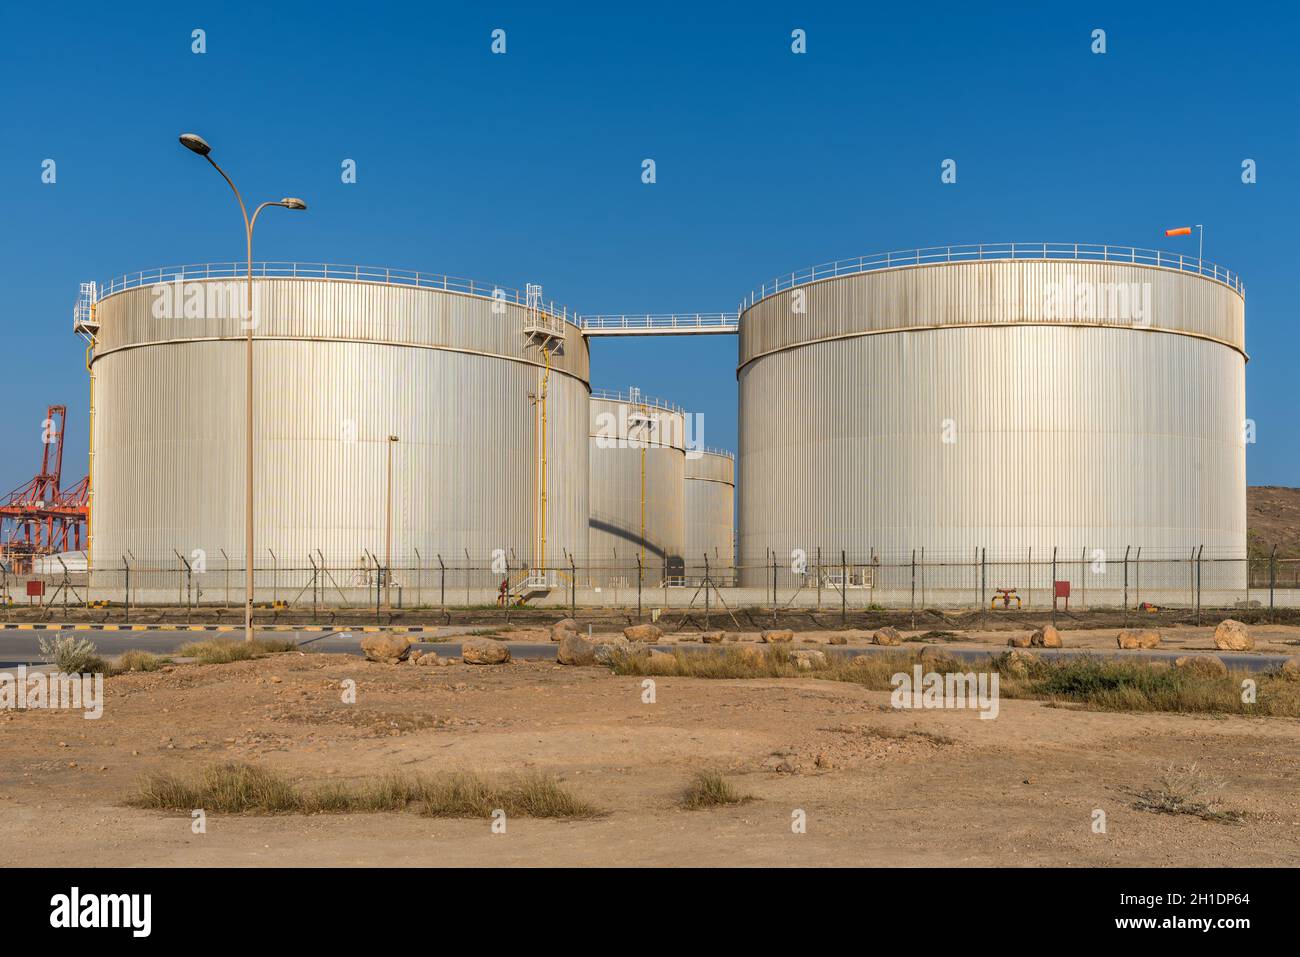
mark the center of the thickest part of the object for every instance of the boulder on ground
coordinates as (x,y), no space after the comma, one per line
(386,647)
(775,635)
(1045,637)
(1232,635)
(484,651)
(808,660)
(1019,641)
(837,638)
(1291,669)
(711,637)
(565,626)
(575,650)
(430,658)
(643,633)
(1131,639)
(1208,665)
(887,636)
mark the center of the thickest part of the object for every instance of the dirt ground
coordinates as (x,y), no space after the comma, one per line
(878,786)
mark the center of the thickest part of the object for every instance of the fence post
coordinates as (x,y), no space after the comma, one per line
(419,580)
(638,588)
(706,591)
(844,588)
(1126,551)
(275,578)
(126,594)
(1083,577)
(1272,581)
(984,578)
(1199,551)
(819,577)
(314,575)
(1137,575)
(442,584)
(573,588)
(774,588)
(914,588)
(1053,585)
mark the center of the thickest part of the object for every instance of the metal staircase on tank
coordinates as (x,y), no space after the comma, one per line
(544,331)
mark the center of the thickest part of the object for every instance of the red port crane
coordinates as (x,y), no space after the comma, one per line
(40,518)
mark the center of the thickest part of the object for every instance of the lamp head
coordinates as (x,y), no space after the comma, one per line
(196,143)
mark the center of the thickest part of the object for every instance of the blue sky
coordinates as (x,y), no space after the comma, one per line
(527,167)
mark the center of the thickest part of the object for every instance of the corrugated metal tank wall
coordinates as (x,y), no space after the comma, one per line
(949,408)
(615,486)
(339,366)
(710,512)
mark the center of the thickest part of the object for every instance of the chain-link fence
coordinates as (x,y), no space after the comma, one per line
(819,577)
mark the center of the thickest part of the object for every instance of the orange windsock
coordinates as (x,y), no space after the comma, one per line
(1179,231)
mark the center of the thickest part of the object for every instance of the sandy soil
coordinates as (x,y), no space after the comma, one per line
(878,786)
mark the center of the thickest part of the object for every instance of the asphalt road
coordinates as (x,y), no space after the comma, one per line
(22,648)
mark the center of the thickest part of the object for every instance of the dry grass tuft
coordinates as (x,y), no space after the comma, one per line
(247,789)
(711,789)
(1188,790)
(1091,681)
(222,651)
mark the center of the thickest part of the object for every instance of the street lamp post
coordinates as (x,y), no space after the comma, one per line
(197,144)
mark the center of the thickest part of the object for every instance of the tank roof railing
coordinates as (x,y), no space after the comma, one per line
(993,252)
(640,398)
(710,450)
(194,272)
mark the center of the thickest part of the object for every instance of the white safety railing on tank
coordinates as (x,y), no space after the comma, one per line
(638,398)
(1083,252)
(193,272)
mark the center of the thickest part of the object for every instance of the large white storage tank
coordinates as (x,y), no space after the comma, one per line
(710,513)
(344,358)
(637,487)
(938,400)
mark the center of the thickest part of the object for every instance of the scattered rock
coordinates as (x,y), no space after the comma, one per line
(484,651)
(575,650)
(776,635)
(1291,669)
(650,633)
(386,648)
(1045,637)
(1019,641)
(430,658)
(836,638)
(887,636)
(1209,665)
(1232,635)
(711,637)
(1138,639)
(808,660)
(564,626)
